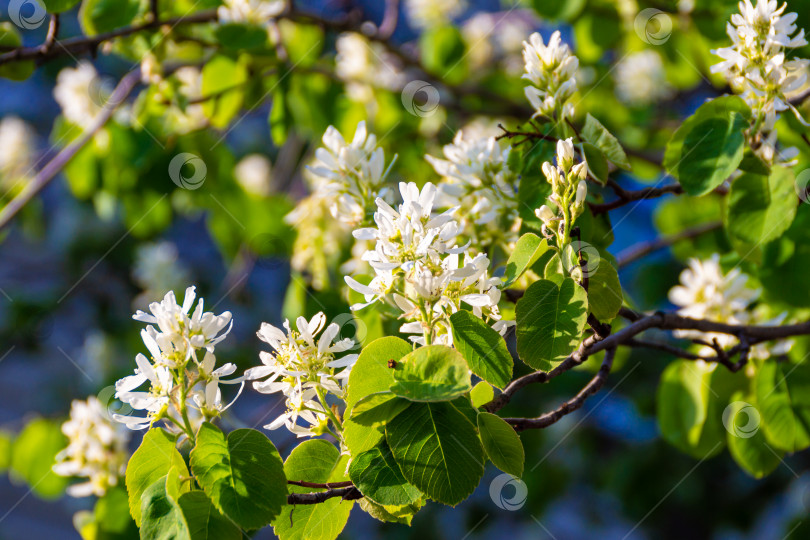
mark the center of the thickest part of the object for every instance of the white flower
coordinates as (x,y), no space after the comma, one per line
(430,13)
(198,330)
(350,175)
(756,67)
(74,91)
(363,65)
(254,174)
(16,150)
(97,449)
(178,381)
(551,69)
(706,292)
(300,367)
(250,11)
(478,180)
(641,80)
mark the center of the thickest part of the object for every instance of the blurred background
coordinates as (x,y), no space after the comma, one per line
(113,232)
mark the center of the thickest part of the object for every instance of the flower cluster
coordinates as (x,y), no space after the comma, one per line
(363,65)
(182,386)
(476,177)
(551,69)
(568,192)
(756,67)
(16,150)
(96,450)
(250,11)
(75,91)
(641,80)
(418,269)
(351,174)
(305,371)
(706,292)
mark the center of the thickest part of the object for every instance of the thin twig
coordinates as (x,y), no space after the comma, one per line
(390,19)
(54,166)
(593,386)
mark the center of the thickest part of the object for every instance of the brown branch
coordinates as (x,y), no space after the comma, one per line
(390,19)
(53,31)
(54,166)
(626,197)
(84,44)
(346,493)
(593,386)
(638,251)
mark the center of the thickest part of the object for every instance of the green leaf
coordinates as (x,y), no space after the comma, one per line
(10,39)
(204,521)
(6,445)
(221,76)
(317,461)
(99,16)
(598,135)
(111,513)
(431,373)
(58,6)
(33,453)
(153,459)
(242,475)
(303,42)
(550,322)
(377,476)
(162,517)
(604,292)
(442,51)
(684,411)
(481,394)
(483,348)
(709,145)
(501,444)
(746,442)
(783,398)
(391,514)
(528,249)
(760,208)
(376,409)
(596,162)
(437,450)
(753,164)
(370,374)
(238,36)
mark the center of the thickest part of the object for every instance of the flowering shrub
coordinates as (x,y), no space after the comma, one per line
(474,268)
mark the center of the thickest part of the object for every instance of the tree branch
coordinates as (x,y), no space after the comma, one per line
(326,485)
(639,251)
(626,197)
(54,166)
(346,493)
(593,386)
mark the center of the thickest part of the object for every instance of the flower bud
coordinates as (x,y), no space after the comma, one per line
(580,170)
(552,174)
(545,214)
(582,191)
(565,153)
